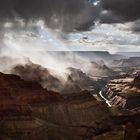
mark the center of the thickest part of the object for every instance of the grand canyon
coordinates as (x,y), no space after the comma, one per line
(100,103)
(69,70)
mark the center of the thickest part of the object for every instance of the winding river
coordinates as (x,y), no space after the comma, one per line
(106,100)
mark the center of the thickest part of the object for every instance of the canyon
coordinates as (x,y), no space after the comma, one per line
(84,108)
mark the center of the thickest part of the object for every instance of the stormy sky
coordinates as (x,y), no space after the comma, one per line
(70,14)
(71,25)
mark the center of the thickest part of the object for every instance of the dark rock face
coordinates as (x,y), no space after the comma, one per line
(29,112)
(136,82)
(17,117)
(130,132)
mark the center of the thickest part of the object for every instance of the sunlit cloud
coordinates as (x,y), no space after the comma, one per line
(109,37)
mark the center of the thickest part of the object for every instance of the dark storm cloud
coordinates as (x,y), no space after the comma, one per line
(108,16)
(70,14)
(126,10)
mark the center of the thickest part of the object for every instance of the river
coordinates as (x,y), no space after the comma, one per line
(106,100)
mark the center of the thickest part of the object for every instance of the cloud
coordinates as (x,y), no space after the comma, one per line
(108,16)
(126,10)
(65,14)
(70,15)
(108,37)
(21,37)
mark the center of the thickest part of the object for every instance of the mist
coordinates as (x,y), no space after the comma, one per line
(29,51)
(31,32)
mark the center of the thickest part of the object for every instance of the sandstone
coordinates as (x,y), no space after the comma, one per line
(123,92)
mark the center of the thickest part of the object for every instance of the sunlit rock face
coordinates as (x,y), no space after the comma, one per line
(123,92)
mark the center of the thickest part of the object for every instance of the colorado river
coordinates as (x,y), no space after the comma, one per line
(100,93)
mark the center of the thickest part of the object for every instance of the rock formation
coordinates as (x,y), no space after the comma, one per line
(28,111)
(78,81)
(34,72)
(130,132)
(129,62)
(101,70)
(136,82)
(123,92)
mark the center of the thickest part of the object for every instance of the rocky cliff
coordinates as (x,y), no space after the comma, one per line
(123,92)
(26,109)
(29,112)
(78,81)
